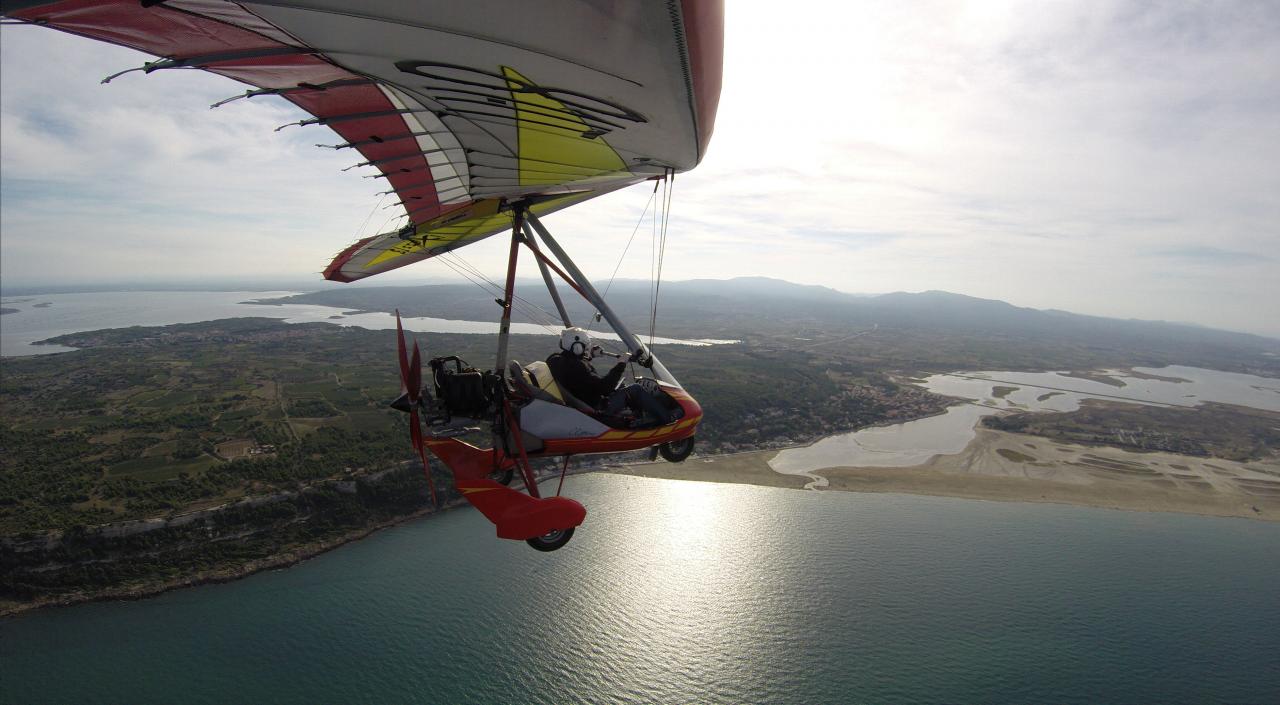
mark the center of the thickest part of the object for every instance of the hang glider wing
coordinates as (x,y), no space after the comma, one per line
(461,106)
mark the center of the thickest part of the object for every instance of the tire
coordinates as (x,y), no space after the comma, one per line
(676,451)
(551,540)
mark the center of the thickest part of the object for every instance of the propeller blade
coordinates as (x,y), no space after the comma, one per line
(415,434)
(414,379)
(404,358)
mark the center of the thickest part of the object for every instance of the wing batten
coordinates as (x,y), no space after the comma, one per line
(457,106)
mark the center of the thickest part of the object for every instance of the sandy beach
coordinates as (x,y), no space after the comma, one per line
(1010,467)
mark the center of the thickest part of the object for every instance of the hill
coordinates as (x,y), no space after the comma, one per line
(782,314)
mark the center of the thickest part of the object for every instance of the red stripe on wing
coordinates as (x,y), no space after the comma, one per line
(178,34)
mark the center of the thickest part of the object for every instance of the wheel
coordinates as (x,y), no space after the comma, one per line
(503,477)
(551,540)
(676,451)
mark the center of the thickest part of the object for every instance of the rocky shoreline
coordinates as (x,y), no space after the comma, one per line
(228,573)
(1120,480)
(224,574)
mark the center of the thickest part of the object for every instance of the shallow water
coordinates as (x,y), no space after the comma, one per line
(1199,386)
(711,593)
(912,443)
(899,445)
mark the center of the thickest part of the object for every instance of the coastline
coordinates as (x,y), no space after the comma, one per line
(1008,467)
(10,609)
(988,469)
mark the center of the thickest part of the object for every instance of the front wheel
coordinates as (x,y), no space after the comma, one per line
(551,540)
(676,451)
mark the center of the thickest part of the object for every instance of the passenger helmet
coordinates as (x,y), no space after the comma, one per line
(575,340)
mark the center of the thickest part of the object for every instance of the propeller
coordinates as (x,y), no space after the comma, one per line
(411,380)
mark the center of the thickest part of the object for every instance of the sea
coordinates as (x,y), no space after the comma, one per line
(692,592)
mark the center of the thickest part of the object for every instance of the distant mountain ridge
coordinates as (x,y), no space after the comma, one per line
(730,299)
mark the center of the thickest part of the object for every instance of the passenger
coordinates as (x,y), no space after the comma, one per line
(572,370)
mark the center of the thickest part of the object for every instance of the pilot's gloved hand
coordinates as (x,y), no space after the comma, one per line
(642,357)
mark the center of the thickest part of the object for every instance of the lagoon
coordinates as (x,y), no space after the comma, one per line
(43,316)
(914,442)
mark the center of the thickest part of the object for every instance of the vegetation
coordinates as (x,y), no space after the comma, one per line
(242,439)
(1015,456)
(146,423)
(132,425)
(83,558)
(129,428)
(1218,430)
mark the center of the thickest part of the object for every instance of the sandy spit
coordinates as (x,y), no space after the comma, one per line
(1011,467)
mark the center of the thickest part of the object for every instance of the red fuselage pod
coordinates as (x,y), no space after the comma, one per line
(590,436)
(515,514)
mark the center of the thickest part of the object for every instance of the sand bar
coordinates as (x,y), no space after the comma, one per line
(1011,467)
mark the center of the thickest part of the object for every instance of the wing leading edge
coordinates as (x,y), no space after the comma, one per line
(461,107)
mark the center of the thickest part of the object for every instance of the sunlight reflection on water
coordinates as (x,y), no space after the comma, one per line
(679,592)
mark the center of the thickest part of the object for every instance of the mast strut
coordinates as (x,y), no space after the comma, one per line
(508,296)
(589,292)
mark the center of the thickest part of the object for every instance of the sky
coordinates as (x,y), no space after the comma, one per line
(1109,158)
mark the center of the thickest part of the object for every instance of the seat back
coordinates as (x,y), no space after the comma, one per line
(526,384)
(540,372)
(541,376)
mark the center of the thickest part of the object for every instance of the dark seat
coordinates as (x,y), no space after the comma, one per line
(537,382)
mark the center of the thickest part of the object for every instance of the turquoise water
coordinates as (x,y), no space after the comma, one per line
(697,592)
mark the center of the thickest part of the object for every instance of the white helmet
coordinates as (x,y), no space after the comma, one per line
(575,340)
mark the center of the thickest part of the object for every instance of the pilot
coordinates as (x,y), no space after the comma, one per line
(572,370)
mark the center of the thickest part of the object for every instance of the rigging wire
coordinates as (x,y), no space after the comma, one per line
(536,314)
(530,309)
(489,289)
(668,194)
(653,250)
(383,228)
(634,230)
(369,217)
(596,318)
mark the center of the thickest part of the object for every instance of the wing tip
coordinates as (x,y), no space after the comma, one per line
(334,271)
